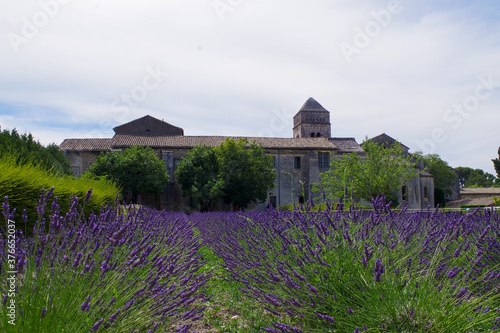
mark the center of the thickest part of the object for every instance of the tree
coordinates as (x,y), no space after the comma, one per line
(26,150)
(444,176)
(246,171)
(136,169)
(496,163)
(198,175)
(236,171)
(469,177)
(383,171)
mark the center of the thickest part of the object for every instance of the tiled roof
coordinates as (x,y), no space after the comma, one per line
(121,140)
(471,202)
(480,190)
(347,145)
(86,144)
(312,105)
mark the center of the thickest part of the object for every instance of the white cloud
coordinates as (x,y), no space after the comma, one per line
(226,77)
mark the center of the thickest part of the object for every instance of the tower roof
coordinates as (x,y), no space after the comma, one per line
(312,105)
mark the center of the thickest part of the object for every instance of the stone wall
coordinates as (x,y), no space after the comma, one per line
(80,161)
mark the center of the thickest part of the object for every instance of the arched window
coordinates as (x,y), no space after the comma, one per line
(404,193)
(318,134)
(312,135)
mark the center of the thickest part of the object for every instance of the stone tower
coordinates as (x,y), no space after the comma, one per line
(312,121)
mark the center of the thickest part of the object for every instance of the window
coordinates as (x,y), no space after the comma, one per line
(296,162)
(318,135)
(426,194)
(404,193)
(312,135)
(301,199)
(323,160)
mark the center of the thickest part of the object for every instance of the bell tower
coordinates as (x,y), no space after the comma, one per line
(312,121)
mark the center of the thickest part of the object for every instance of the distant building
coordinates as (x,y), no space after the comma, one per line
(476,196)
(298,160)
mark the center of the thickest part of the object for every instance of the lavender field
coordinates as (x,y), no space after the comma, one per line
(136,269)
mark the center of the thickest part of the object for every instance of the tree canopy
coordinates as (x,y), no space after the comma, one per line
(469,177)
(238,172)
(136,169)
(444,176)
(384,170)
(25,149)
(198,175)
(496,163)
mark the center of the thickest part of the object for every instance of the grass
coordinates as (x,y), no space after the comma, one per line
(230,309)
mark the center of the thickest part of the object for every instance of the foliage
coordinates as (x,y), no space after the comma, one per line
(109,272)
(237,171)
(469,177)
(246,171)
(28,151)
(439,197)
(354,271)
(198,175)
(444,176)
(383,171)
(136,169)
(496,163)
(23,184)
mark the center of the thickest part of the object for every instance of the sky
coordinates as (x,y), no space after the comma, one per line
(427,73)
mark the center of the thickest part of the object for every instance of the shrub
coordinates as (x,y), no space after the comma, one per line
(364,271)
(109,272)
(26,150)
(24,183)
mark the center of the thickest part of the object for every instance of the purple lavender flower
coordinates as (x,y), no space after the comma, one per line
(97,325)
(379,270)
(86,304)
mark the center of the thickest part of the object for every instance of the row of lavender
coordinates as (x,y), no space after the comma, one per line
(355,271)
(133,270)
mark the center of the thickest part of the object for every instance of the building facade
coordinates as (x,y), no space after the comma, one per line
(298,160)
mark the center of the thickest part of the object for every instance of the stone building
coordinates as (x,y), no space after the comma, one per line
(298,160)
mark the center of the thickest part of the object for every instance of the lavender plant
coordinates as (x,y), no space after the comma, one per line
(129,269)
(355,271)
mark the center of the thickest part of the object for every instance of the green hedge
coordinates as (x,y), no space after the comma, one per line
(23,185)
